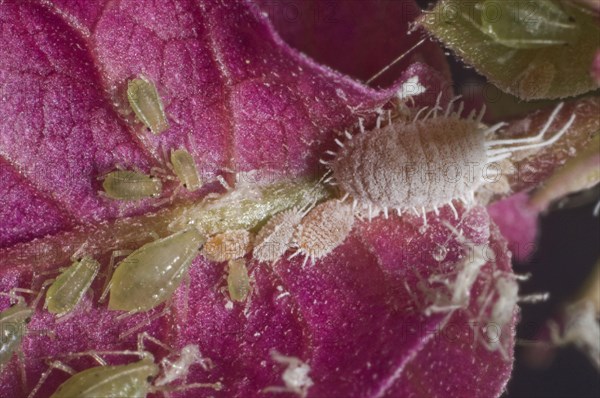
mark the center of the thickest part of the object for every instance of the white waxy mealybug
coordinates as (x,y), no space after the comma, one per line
(275,237)
(147,105)
(136,379)
(323,229)
(295,376)
(238,281)
(131,185)
(425,163)
(185,169)
(228,245)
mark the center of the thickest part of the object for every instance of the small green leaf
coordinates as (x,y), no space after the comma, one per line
(534,49)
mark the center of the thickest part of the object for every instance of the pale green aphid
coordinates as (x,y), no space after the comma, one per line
(150,275)
(131,185)
(145,102)
(13,324)
(136,379)
(527,23)
(185,169)
(129,380)
(70,286)
(238,281)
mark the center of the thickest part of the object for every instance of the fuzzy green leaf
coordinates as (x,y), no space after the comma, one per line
(532,49)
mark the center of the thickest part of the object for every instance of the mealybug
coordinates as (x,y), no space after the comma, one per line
(323,229)
(147,105)
(426,163)
(227,246)
(275,237)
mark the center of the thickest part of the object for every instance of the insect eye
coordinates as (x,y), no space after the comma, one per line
(28,319)
(149,379)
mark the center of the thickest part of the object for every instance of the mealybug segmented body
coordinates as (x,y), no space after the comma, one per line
(147,105)
(323,229)
(131,185)
(227,246)
(425,163)
(275,237)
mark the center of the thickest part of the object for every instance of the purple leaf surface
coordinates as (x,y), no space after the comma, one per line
(238,99)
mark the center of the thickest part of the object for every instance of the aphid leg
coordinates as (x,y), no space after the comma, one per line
(166,389)
(111,268)
(52,365)
(149,320)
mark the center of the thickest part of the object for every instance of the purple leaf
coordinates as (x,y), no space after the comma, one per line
(238,98)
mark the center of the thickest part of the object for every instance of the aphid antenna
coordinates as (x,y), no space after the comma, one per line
(398,59)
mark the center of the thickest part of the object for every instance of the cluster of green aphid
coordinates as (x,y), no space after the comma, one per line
(150,275)
(132,185)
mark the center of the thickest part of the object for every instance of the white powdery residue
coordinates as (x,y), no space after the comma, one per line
(410,88)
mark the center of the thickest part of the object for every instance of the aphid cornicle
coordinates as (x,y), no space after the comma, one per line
(131,185)
(424,164)
(323,229)
(70,286)
(185,169)
(147,105)
(150,275)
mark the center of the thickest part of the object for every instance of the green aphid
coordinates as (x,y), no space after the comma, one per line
(147,105)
